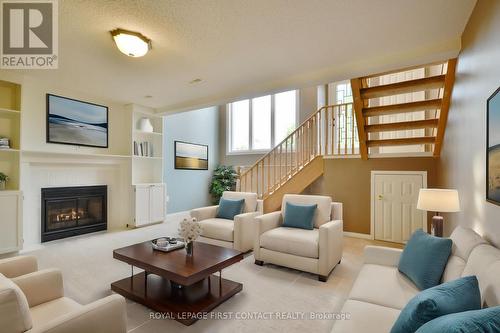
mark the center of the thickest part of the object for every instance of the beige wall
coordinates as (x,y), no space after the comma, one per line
(349,181)
(463,158)
(34,117)
(306,106)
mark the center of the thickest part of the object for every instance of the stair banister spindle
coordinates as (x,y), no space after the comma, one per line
(345,129)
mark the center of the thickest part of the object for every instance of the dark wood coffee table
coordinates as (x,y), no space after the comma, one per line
(180,287)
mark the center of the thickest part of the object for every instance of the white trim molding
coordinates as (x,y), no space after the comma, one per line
(357,235)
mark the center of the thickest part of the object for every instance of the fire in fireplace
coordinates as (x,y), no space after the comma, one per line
(71,211)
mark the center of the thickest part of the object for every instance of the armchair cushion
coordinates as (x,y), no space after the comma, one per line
(249,197)
(14,308)
(299,216)
(228,208)
(323,212)
(221,229)
(299,242)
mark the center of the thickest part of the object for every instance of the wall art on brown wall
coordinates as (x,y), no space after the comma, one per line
(493,148)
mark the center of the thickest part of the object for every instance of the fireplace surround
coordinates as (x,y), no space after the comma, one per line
(72,211)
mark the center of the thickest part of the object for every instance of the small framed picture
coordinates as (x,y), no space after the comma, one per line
(493,148)
(190,156)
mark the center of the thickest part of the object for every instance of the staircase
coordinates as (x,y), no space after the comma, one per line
(297,161)
(428,96)
(403,111)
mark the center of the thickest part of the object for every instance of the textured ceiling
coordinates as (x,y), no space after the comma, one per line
(245,47)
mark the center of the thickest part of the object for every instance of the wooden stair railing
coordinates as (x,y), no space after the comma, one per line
(368,117)
(329,131)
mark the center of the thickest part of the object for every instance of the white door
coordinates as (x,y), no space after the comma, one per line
(142,205)
(157,203)
(394,205)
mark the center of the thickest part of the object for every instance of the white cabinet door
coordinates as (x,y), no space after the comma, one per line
(10,222)
(142,205)
(157,203)
(394,204)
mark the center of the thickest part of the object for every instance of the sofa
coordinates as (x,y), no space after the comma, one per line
(380,292)
(236,234)
(34,301)
(316,251)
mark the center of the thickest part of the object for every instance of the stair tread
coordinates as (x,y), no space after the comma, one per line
(402,141)
(430,104)
(426,83)
(402,125)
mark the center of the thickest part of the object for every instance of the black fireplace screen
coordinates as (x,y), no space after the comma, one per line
(71,211)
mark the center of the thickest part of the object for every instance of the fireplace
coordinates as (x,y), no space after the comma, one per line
(72,211)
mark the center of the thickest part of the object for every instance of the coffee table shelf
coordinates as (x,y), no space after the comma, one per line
(180,287)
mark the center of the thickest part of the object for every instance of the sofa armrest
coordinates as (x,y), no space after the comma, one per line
(244,231)
(107,315)
(260,206)
(330,246)
(381,255)
(17,266)
(204,213)
(337,211)
(42,286)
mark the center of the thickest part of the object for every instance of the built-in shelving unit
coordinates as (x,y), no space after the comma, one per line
(147,167)
(11,197)
(10,127)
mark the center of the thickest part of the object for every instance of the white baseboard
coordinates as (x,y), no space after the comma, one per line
(357,235)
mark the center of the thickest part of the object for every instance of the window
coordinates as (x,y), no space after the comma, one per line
(261,123)
(258,124)
(285,104)
(240,125)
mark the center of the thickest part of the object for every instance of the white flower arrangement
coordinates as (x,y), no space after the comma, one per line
(189,230)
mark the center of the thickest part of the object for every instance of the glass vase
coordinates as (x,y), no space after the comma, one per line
(189,248)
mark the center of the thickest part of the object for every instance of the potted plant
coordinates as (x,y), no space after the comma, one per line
(223,179)
(3,180)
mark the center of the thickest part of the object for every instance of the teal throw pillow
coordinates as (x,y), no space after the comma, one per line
(299,216)
(228,209)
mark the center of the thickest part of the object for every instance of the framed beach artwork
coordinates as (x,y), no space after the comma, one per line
(74,122)
(190,156)
(493,148)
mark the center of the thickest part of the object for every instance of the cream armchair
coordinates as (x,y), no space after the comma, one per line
(33,301)
(315,251)
(238,233)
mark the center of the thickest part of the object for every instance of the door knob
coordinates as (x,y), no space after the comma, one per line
(380,197)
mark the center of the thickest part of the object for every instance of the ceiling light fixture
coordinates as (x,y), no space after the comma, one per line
(133,44)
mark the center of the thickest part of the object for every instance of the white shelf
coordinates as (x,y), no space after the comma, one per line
(45,153)
(147,133)
(9,111)
(148,157)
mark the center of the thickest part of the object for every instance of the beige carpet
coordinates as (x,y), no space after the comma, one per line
(89,268)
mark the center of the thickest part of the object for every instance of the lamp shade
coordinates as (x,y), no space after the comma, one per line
(438,200)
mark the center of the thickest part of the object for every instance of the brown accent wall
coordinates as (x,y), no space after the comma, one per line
(349,181)
(463,156)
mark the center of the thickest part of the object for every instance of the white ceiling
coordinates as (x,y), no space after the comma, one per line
(245,47)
